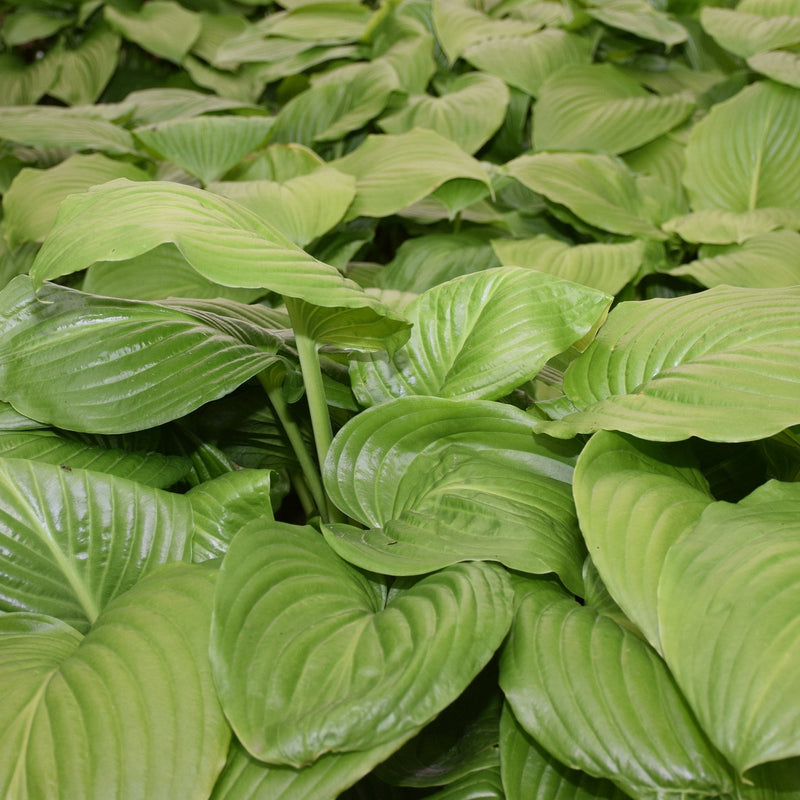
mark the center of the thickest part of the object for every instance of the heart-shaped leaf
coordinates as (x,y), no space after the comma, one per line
(441,481)
(129,710)
(744,155)
(157,363)
(601,700)
(72,540)
(599,108)
(392,172)
(635,499)
(205,146)
(480,336)
(469,113)
(729,605)
(723,365)
(310,658)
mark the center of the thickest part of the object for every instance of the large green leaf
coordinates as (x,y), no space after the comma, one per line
(723,365)
(222,240)
(531,773)
(205,146)
(129,710)
(85,70)
(480,336)
(224,505)
(339,103)
(423,262)
(599,189)
(310,657)
(640,18)
(779,65)
(156,363)
(69,452)
(601,700)
(31,203)
(72,540)
(729,610)
(718,226)
(162,27)
(441,481)
(301,207)
(606,267)
(458,24)
(746,34)
(468,113)
(23,83)
(635,499)
(392,172)
(599,108)
(744,155)
(765,261)
(50,126)
(527,61)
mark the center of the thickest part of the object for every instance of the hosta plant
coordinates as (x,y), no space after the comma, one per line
(399,400)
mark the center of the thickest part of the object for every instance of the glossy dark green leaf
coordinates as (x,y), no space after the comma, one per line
(310,659)
(129,710)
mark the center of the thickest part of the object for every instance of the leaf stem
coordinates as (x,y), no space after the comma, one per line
(315,395)
(295,437)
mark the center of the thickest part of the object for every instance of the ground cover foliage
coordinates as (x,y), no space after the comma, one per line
(400,401)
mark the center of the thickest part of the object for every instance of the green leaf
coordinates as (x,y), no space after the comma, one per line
(85,70)
(599,108)
(222,240)
(31,202)
(323,21)
(127,709)
(24,84)
(531,773)
(525,62)
(720,364)
(302,207)
(224,505)
(392,172)
(336,104)
(716,226)
(457,25)
(205,146)
(72,540)
(441,481)
(156,275)
(780,65)
(50,126)
(247,778)
(599,189)
(729,599)
(480,336)
(601,700)
(71,452)
(162,27)
(23,25)
(640,18)
(742,156)
(423,262)
(601,266)
(635,499)
(747,34)
(156,363)
(309,658)
(766,261)
(151,106)
(468,113)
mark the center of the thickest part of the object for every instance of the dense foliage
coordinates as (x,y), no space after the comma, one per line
(400,401)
